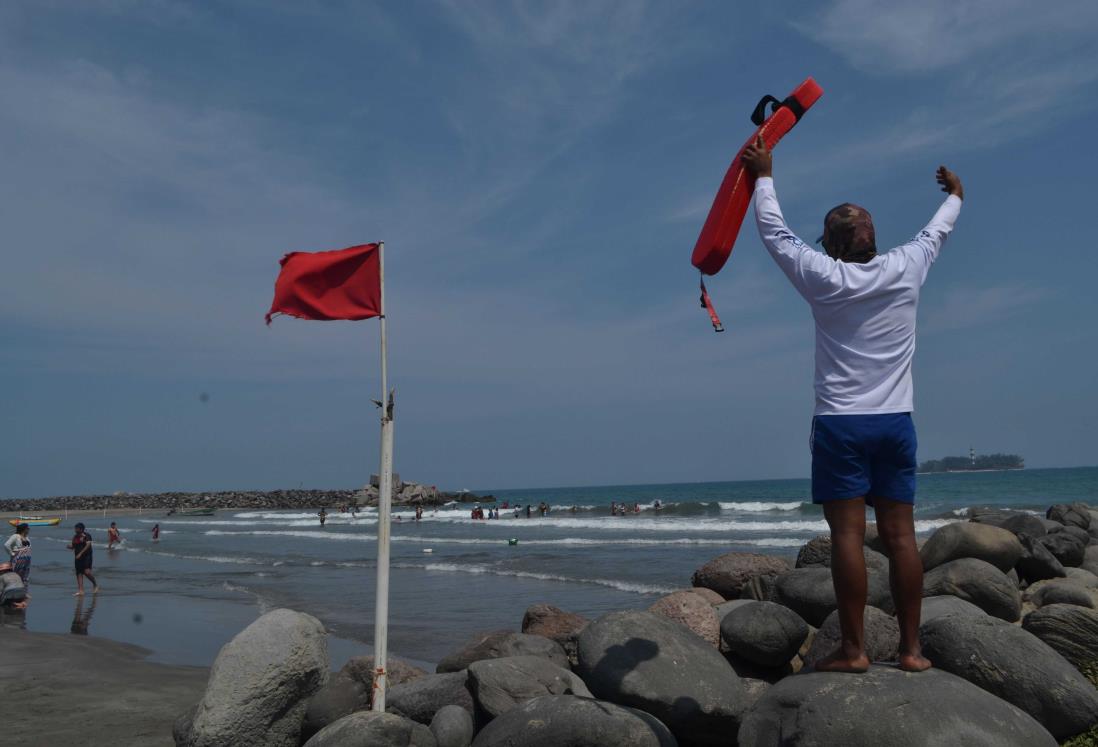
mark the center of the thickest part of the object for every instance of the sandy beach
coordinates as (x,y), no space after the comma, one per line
(87,690)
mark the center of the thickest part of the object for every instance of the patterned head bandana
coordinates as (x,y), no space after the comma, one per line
(848,234)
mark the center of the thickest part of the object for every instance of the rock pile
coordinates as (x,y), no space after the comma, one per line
(404,493)
(1010,621)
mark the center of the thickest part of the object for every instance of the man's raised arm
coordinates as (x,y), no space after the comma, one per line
(801,264)
(925,246)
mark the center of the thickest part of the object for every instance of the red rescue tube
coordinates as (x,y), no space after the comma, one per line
(718,235)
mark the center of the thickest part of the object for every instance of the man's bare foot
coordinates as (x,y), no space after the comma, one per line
(840,662)
(78,594)
(95,590)
(914,663)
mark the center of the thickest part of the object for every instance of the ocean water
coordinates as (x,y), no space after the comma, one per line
(207,577)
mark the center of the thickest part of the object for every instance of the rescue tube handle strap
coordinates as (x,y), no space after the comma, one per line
(708,306)
(759,115)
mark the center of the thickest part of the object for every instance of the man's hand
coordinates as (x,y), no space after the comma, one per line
(757,158)
(950,182)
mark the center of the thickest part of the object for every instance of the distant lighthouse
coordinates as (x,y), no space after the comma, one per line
(972,456)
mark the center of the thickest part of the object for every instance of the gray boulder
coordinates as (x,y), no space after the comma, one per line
(261,681)
(350,690)
(711,597)
(886,707)
(361,670)
(556,625)
(1083,535)
(882,637)
(1069,629)
(692,611)
(727,574)
(373,729)
(181,727)
(1016,666)
(748,670)
(498,685)
(817,551)
(722,610)
(1013,521)
(499,644)
(1067,548)
(759,588)
(966,539)
(1050,525)
(421,698)
(1082,577)
(875,562)
(571,721)
(755,690)
(976,581)
(873,538)
(764,633)
(1074,514)
(1061,591)
(1090,559)
(1029,524)
(934,607)
(642,660)
(810,593)
(340,697)
(1036,562)
(991,515)
(452,727)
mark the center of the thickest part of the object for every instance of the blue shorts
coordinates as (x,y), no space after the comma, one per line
(863,455)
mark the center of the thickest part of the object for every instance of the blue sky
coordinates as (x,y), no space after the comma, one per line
(539,173)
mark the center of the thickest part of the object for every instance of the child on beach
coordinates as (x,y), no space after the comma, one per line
(156,532)
(81,546)
(13,593)
(863,439)
(113,537)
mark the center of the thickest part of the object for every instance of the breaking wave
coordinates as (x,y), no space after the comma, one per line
(566,541)
(473,568)
(758,506)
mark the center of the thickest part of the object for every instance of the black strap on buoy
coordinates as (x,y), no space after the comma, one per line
(759,115)
(708,306)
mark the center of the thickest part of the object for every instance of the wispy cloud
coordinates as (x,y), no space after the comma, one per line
(882,37)
(970,308)
(998,70)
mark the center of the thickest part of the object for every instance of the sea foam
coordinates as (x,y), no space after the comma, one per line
(629,586)
(759,506)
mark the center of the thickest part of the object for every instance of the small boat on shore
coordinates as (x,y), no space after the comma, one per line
(36,521)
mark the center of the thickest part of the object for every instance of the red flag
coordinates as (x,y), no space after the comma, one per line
(344,284)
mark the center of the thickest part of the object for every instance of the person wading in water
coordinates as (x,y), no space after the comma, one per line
(81,546)
(863,439)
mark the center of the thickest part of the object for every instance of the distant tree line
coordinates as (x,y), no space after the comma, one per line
(982,461)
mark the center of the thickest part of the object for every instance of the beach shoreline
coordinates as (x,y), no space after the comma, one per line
(93,690)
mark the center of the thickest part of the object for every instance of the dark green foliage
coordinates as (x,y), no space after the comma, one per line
(963,464)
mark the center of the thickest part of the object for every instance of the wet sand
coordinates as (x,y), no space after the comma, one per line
(63,688)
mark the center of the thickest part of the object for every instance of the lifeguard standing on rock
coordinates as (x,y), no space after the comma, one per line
(863,439)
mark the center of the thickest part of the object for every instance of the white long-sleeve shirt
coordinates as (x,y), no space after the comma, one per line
(865,313)
(13,545)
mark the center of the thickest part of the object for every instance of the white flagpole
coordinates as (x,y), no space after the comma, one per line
(385,489)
